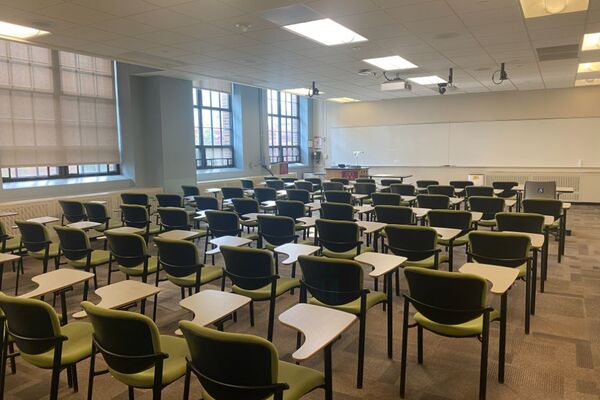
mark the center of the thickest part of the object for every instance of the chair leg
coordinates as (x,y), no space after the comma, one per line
(54,383)
(182,293)
(13,364)
(3,356)
(131,394)
(404,349)
(271,319)
(186,383)
(484,356)
(251,306)
(155,307)
(74,377)
(91,373)
(527,298)
(361,350)
(420,344)
(398,282)
(19,269)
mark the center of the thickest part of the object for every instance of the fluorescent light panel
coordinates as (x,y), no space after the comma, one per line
(343,100)
(589,67)
(543,8)
(19,31)
(326,31)
(427,80)
(587,82)
(390,63)
(591,41)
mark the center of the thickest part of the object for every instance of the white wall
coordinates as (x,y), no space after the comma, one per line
(494,109)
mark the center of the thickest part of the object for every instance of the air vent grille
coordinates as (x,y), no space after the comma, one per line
(565,52)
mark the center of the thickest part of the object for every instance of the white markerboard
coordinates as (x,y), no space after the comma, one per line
(414,145)
(525,143)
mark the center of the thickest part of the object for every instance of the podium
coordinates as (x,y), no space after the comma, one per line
(279,168)
(350,173)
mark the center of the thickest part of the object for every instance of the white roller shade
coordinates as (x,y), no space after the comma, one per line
(56,108)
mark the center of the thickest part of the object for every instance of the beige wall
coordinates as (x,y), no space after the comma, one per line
(499,106)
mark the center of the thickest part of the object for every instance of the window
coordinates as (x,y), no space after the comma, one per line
(283,126)
(57,110)
(212,129)
(39,173)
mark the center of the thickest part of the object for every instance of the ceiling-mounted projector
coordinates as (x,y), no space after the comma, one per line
(395,85)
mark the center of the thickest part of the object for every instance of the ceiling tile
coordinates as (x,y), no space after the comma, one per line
(165,37)
(422,10)
(202,30)
(130,43)
(335,8)
(75,13)
(163,19)
(119,8)
(207,10)
(124,26)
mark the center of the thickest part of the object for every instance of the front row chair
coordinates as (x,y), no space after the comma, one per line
(241,366)
(450,304)
(506,250)
(134,350)
(43,342)
(252,274)
(180,259)
(338,284)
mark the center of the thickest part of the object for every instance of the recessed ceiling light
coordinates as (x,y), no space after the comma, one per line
(543,8)
(390,63)
(326,31)
(242,26)
(343,100)
(300,91)
(427,80)
(587,82)
(591,41)
(589,67)
(19,31)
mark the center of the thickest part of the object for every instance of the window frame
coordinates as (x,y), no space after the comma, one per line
(63,173)
(280,117)
(202,163)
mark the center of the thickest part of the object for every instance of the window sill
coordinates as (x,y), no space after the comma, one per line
(200,172)
(60,182)
(298,166)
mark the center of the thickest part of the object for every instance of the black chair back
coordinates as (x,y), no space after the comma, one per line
(128,249)
(338,236)
(97,212)
(276,230)
(265,194)
(291,208)
(489,206)
(455,219)
(135,216)
(74,243)
(365,180)
(461,184)
(223,223)
(302,195)
(413,242)
(499,248)
(506,187)
(232,193)
(433,201)
(275,184)
(520,222)
(337,211)
(543,206)
(316,183)
(140,199)
(248,268)
(172,218)
(179,258)
(403,189)
(73,211)
(394,215)
(390,182)
(169,200)
(245,206)
(338,196)
(449,298)
(247,183)
(331,281)
(424,184)
(332,186)
(34,236)
(481,191)
(233,365)
(305,185)
(446,190)
(343,181)
(190,190)
(386,199)
(365,188)
(206,203)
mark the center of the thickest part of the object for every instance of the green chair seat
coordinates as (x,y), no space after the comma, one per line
(111,225)
(428,262)
(77,347)
(12,244)
(459,241)
(209,274)
(99,257)
(138,270)
(487,223)
(353,307)
(173,367)
(347,255)
(470,328)
(283,285)
(251,236)
(53,252)
(250,224)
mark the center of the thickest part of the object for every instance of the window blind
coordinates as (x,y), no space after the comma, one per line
(56,108)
